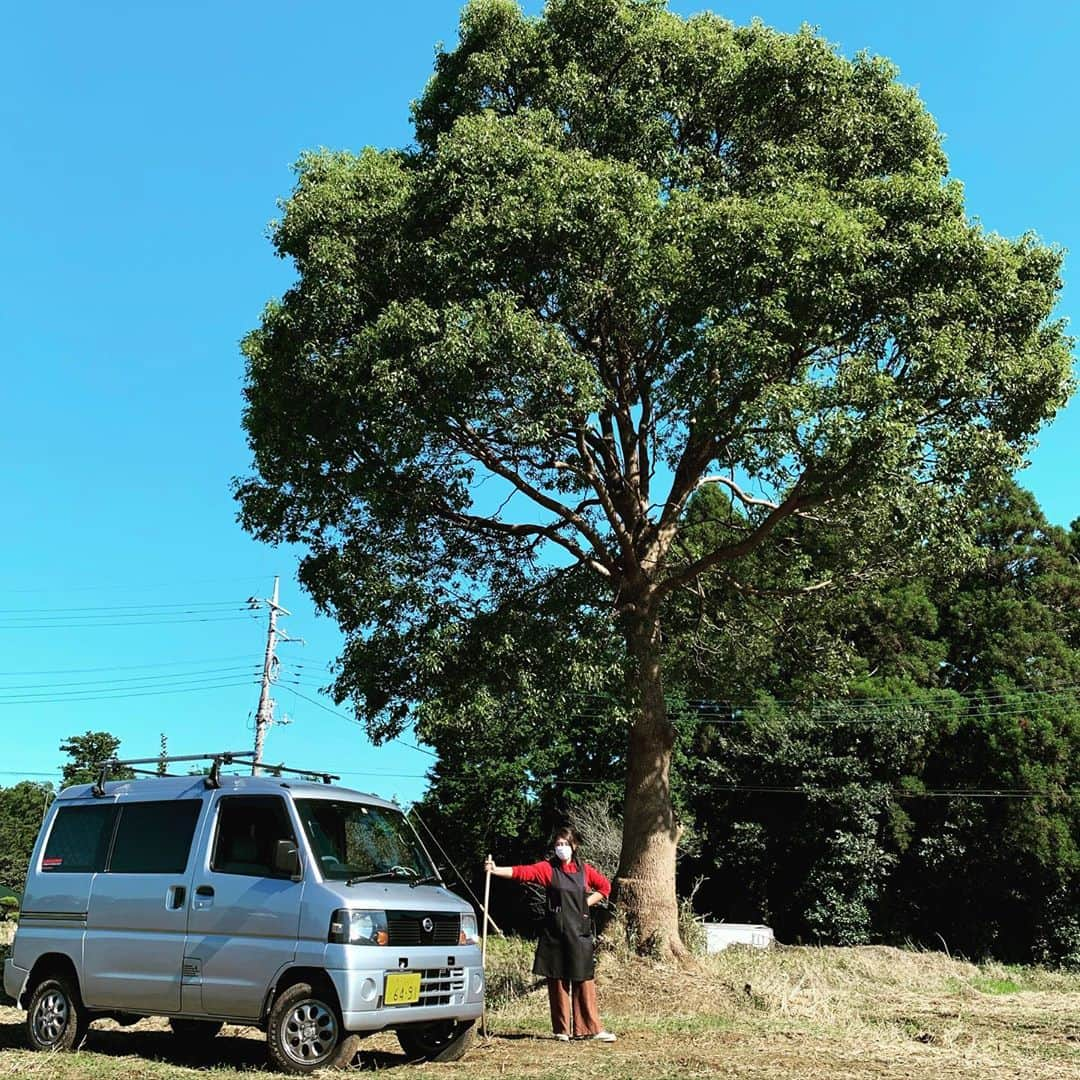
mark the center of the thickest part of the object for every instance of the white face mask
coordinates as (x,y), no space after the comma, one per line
(563,852)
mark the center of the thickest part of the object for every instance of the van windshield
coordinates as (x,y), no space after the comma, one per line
(354,841)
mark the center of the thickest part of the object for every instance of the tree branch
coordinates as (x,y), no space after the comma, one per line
(472,442)
(746,500)
(618,526)
(477,523)
(796,501)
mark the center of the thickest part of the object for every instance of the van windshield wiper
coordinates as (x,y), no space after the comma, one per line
(379,875)
(424,880)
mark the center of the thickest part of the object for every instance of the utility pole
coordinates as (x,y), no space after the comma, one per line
(264,715)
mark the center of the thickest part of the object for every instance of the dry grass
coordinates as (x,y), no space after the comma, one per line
(867,1013)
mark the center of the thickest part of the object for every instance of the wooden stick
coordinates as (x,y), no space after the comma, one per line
(483,943)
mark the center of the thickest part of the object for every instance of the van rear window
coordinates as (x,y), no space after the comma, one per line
(79,839)
(154,837)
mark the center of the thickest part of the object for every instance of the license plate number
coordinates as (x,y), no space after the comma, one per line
(402,988)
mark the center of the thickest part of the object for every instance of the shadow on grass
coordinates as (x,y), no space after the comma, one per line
(243,1051)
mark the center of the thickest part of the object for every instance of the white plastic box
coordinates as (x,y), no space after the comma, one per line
(719,935)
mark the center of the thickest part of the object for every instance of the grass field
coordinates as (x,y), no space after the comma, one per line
(873,1012)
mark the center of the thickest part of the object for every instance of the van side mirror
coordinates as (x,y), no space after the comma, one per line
(287,859)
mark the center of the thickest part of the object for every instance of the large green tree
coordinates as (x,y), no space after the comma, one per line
(936,793)
(86,754)
(22,809)
(629,255)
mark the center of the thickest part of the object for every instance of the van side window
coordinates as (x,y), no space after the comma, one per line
(154,837)
(79,839)
(248,828)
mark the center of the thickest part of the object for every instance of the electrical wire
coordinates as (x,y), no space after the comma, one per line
(107,625)
(69,697)
(125,667)
(106,609)
(929,793)
(250,669)
(352,720)
(127,587)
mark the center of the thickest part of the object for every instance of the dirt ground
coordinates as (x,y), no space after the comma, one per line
(867,1013)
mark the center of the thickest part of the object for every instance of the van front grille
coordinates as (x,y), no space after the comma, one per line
(407,928)
(437,984)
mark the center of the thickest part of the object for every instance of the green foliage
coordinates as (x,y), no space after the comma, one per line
(631,256)
(1057,936)
(878,853)
(22,807)
(87,753)
(9,908)
(832,835)
(610,208)
(508,971)
(988,985)
(692,926)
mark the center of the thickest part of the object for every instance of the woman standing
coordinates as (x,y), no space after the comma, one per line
(565,953)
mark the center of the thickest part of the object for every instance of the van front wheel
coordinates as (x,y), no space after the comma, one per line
(441,1040)
(304,1032)
(55,1018)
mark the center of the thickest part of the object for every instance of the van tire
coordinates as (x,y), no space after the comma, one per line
(55,1016)
(196,1030)
(441,1040)
(304,1032)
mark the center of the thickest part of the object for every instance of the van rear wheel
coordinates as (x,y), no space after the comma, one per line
(196,1030)
(441,1040)
(304,1032)
(55,1017)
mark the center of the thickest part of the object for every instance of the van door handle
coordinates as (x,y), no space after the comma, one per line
(174,897)
(204,897)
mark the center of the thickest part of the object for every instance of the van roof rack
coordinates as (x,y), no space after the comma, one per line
(217,759)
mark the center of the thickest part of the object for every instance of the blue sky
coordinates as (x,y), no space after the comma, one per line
(144,147)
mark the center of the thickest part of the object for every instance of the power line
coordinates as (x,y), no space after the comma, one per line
(125,667)
(117,682)
(871,702)
(74,696)
(136,608)
(130,588)
(352,720)
(902,793)
(129,623)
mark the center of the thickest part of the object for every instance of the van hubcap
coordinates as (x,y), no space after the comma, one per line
(310,1032)
(51,1017)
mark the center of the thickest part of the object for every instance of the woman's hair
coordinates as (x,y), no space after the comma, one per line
(565,832)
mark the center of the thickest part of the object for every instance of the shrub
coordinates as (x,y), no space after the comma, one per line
(509,969)
(691,924)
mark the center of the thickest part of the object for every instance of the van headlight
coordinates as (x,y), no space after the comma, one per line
(352,927)
(468,935)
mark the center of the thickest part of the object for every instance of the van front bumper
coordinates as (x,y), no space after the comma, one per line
(14,979)
(445,994)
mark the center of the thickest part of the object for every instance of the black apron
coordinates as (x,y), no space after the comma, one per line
(565,949)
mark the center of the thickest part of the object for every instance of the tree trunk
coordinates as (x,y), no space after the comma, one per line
(645,883)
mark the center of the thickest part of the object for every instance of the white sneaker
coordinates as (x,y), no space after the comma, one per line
(602,1036)
(563,1038)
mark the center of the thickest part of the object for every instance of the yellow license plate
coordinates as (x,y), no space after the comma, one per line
(402,988)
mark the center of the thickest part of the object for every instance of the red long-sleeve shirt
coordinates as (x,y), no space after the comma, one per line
(540,873)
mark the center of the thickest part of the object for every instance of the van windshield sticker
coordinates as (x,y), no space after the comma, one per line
(52,862)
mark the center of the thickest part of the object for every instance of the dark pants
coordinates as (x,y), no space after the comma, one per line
(573,1007)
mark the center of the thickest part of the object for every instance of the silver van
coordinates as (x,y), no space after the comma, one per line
(307,909)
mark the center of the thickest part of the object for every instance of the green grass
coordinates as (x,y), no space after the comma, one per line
(987,985)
